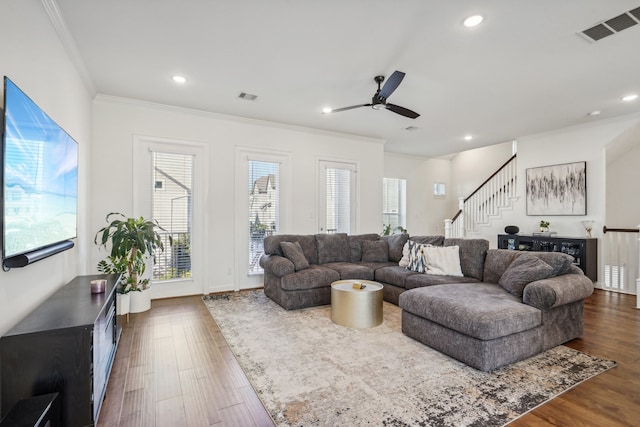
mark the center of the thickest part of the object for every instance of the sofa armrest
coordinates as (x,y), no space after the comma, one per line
(556,291)
(277,265)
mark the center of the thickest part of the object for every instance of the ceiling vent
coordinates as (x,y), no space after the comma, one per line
(612,26)
(247,96)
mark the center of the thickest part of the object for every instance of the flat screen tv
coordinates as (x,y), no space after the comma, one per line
(39,182)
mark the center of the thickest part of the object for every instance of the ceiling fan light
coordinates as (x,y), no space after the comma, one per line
(379,107)
(327,110)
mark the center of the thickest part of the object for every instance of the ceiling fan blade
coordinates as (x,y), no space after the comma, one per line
(392,84)
(337,110)
(402,111)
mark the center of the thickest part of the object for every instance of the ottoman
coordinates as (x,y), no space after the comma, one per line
(479,324)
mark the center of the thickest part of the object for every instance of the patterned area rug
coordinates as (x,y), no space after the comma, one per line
(309,371)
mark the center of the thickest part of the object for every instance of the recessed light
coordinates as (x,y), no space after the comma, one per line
(411,128)
(179,79)
(327,110)
(594,113)
(468,137)
(631,97)
(472,21)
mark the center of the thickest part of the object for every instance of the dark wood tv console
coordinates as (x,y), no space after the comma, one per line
(583,250)
(66,345)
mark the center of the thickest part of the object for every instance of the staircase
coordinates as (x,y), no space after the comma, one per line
(487,202)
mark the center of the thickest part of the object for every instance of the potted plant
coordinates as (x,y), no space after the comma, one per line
(131,243)
(544,226)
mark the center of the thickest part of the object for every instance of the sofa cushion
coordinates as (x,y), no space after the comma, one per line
(442,260)
(377,265)
(472,255)
(396,243)
(522,271)
(498,260)
(421,280)
(293,252)
(355,245)
(375,251)
(394,275)
(333,248)
(481,310)
(417,261)
(348,270)
(307,243)
(428,240)
(315,276)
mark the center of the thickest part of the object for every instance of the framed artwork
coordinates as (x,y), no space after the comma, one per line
(557,190)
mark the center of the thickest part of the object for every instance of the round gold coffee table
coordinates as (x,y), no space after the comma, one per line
(356,308)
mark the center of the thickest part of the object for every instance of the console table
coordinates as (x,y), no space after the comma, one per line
(583,250)
(66,345)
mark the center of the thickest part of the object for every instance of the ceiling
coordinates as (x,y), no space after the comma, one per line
(524,70)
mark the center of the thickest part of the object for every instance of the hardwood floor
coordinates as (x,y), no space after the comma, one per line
(174,368)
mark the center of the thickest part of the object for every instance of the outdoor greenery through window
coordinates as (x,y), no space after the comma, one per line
(264,206)
(394,203)
(172,208)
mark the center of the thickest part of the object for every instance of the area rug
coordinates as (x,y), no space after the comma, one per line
(309,371)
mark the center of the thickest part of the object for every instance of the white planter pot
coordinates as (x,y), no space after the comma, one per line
(140,301)
(122,304)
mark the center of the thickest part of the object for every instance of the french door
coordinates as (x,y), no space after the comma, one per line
(337,197)
(169,186)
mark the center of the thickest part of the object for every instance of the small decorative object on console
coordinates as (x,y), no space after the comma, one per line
(511,229)
(98,286)
(588,226)
(359,285)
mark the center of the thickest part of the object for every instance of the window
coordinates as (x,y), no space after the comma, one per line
(172,208)
(394,203)
(264,206)
(439,190)
(337,197)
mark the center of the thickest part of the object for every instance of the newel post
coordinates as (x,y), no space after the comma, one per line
(447,228)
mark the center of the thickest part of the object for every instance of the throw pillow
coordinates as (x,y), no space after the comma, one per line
(375,251)
(293,252)
(416,258)
(443,260)
(522,271)
(404,261)
(396,243)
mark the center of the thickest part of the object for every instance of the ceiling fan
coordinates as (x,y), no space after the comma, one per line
(379,100)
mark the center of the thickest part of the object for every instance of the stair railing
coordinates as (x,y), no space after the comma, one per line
(495,193)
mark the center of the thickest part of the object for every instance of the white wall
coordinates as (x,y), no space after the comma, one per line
(586,142)
(425,213)
(34,59)
(623,176)
(117,121)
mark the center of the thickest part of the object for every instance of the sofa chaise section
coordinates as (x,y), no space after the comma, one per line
(489,325)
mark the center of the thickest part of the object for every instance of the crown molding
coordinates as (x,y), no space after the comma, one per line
(69,44)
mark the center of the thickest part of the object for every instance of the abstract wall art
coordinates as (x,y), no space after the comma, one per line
(557,190)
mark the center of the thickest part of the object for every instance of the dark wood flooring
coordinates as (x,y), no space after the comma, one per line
(174,368)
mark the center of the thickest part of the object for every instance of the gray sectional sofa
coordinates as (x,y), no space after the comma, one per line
(507,305)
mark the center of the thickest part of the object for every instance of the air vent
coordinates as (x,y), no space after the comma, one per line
(247,96)
(621,22)
(598,32)
(612,26)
